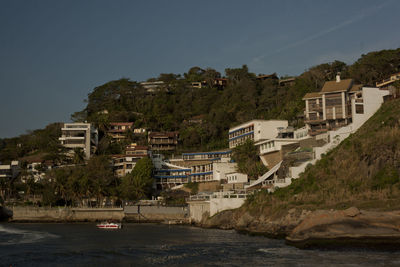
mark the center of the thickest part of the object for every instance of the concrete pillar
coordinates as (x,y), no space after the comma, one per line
(343,105)
(334,113)
(307,110)
(323,107)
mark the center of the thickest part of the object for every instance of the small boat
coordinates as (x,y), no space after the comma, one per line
(109,225)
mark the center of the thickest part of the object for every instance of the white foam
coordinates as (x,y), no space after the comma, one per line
(18,236)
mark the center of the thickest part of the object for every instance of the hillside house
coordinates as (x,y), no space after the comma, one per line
(163,141)
(330,108)
(79,135)
(118,130)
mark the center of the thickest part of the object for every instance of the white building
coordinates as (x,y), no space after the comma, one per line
(220,170)
(255,130)
(37,170)
(9,171)
(236,177)
(79,135)
(365,103)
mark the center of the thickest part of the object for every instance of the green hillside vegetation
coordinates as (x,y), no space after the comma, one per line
(362,171)
(244,98)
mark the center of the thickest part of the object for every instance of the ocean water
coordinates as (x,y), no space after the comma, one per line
(163,245)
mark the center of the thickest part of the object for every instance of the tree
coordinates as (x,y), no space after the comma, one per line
(139,182)
(246,157)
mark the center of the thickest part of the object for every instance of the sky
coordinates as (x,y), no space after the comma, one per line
(53,53)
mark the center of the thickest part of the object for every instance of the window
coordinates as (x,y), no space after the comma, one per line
(359,109)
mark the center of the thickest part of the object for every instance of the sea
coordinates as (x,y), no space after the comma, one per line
(82,244)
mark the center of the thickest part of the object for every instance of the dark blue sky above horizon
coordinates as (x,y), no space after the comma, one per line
(53,53)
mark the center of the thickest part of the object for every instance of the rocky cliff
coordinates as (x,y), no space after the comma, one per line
(320,228)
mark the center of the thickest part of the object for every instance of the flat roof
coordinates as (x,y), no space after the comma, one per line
(233,129)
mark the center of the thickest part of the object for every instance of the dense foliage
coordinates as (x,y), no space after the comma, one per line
(203,116)
(248,161)
(138,184)
(244,98)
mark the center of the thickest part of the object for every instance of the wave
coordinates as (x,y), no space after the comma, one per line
(13,236)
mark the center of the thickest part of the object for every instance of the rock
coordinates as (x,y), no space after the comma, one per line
(347,227)
(352,212)
(244,220)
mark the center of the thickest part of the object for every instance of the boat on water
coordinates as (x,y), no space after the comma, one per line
(109,225)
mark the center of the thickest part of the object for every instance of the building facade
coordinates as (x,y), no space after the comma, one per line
(330,109)
(255,130)
(79,135)
(163,141)
(118,130)
(124,164)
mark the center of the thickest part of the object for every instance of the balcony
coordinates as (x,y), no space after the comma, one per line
(161,142)
(315,108)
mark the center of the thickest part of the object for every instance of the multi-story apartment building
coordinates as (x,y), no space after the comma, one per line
(201,167)
(124,164)
(330,108)
(169,178)
(79,135)
(163,141)
(118,130)
(255,130)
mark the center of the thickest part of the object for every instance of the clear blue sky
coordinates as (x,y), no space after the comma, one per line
(53,53)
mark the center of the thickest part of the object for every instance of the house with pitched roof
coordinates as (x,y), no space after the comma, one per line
(330,108)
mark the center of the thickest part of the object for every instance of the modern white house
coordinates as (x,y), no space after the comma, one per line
(255,130)
(365,103)
(79,135)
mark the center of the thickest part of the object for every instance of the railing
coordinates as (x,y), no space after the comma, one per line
(217,195)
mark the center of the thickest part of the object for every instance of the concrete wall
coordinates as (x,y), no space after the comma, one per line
(268,129)
(198,209)
(271,159)
(220,169)
(156,213)
(47,214)
(221,204)
(372,101)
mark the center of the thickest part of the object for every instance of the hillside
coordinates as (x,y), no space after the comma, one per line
(215,108)
(363,171)
(350,197)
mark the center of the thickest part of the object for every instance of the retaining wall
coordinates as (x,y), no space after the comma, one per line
(63,214)
(138,213)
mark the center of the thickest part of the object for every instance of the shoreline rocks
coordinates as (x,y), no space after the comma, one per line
(361,228)
(318,229)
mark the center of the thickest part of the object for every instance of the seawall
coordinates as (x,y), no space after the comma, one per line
(128,213)
(138,213)
(65,214)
